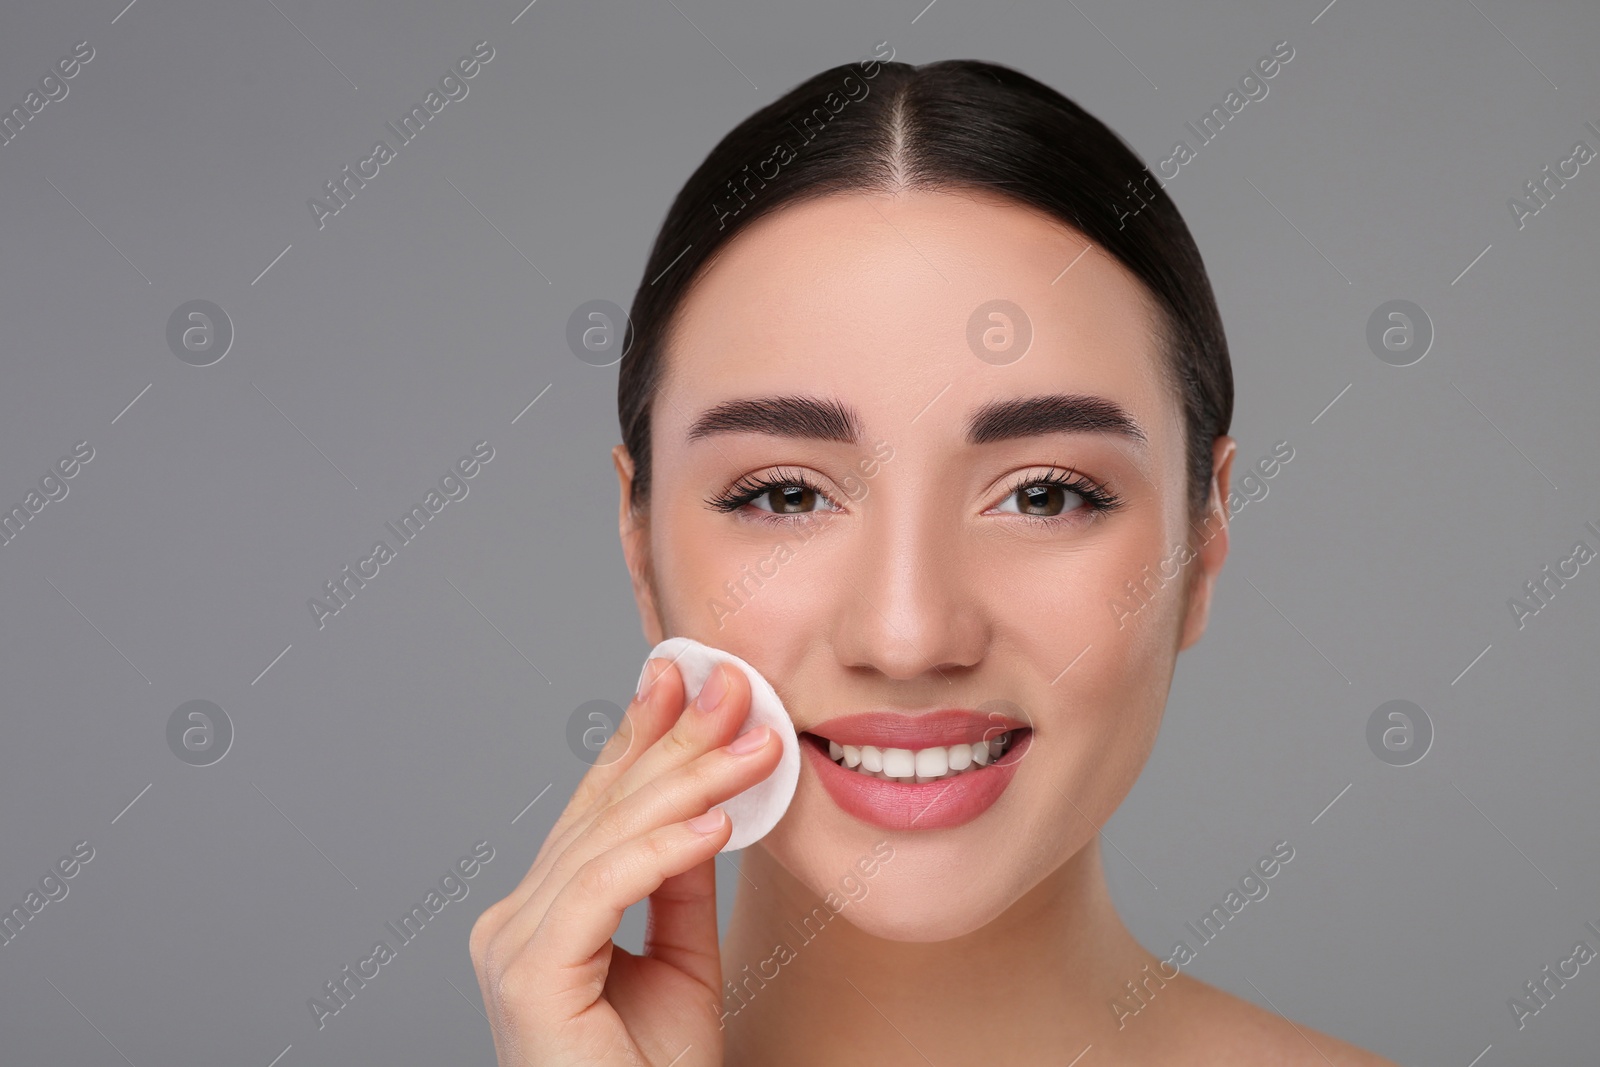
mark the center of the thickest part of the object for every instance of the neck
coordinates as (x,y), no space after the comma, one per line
(808,987)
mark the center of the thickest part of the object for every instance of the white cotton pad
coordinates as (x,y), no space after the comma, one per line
(756,810)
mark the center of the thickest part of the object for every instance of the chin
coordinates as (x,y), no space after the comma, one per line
(920,885)
(924,905)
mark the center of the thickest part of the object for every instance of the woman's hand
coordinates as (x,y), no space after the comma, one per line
(557,990)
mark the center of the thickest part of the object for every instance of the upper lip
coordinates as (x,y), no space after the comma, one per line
(927,729)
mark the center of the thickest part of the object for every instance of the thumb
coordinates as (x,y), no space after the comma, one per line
(682,925)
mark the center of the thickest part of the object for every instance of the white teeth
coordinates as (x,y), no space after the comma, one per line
(919,765)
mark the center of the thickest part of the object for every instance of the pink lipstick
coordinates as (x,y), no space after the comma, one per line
(966,758)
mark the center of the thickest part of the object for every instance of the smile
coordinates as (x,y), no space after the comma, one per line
(931,788)
(920,765)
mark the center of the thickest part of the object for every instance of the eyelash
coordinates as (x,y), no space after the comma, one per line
(1096,500)
(749,487)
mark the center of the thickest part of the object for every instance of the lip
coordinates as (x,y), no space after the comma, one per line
(933,729)
(914,805)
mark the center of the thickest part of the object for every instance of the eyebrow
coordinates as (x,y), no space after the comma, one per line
(999,420)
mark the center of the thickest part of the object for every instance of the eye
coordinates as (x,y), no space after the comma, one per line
(783,492)
(1054,497)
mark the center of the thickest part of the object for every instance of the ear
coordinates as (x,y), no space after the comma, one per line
(634,529)
(1209,541)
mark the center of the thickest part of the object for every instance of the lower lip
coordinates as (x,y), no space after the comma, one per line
(915,805)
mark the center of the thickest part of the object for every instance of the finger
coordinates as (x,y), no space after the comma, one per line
(649,715)
(682,926)
(696,730)
(703,726)
(708,722)
(561,966)
(693,731)
(679,796)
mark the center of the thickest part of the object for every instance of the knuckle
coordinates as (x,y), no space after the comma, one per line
(560,840)
(600,833)
(624,731)
(601,876)
(604,800)
(592,789)
(611,873)
(494,953)
(708,770)
(502,962)
(511,986)
(491,967)
(483,930)
(659,844)
(616,746)
(701,779)
(583,797)
(678,742)
(555,847)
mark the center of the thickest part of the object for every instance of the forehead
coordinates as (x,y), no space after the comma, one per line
(873,298)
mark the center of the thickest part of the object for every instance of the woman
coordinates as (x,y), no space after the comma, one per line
(922,377)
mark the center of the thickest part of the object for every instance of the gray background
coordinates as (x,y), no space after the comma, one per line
(424,317)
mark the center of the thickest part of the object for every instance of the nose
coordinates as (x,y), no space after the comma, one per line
(907,606)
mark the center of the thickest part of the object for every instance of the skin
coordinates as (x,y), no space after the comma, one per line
(923,584)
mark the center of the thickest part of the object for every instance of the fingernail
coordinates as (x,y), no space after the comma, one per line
(704,824)
(647,677)
(713,691)
(747,743)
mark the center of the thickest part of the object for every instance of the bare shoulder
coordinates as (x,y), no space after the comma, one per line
(1226,1029)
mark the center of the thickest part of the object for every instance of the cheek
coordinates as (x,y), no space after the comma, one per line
(1105,728)
(1101,715)
(730,580)
(1118,601)
(695,567)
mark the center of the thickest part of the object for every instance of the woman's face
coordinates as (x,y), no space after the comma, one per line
(906,558)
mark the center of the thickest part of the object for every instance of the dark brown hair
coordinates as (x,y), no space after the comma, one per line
(954,124)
